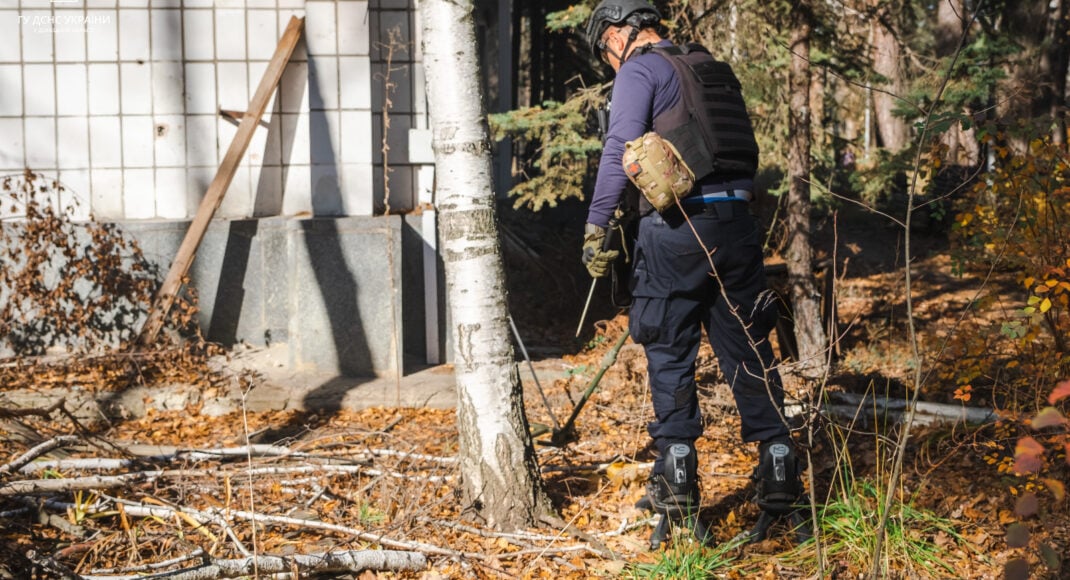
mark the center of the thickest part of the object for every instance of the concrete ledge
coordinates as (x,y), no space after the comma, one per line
(328,288)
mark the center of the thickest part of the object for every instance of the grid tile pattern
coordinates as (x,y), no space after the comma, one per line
(120,100)
(394,44)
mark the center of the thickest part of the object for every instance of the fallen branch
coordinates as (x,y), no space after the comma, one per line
(596,545)
(206,516)
(366,536)
(32,486)
(197,523)
(84,464)
(37,451)
(348,561)
(194,555)
(9,514)
(9,413)
(279,470)
(925,413)
(48,567)
(407,455)
(626,527)
(512,536)
(546,551)
(590,467)
(357,456)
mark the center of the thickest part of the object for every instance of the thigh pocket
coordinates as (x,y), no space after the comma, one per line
(646,319)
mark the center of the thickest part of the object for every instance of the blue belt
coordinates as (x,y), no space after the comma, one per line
(718,196)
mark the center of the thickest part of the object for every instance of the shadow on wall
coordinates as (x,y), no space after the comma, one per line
(337,285)
(227,308)
(325,255)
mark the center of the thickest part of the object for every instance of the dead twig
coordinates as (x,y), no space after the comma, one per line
(348,561)
(50,568)
(596,545)
(9,413)
(161,511)
(514,537)
(38,450)
(36,486)
(194,555)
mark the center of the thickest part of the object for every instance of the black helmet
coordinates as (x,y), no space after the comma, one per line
(637,13)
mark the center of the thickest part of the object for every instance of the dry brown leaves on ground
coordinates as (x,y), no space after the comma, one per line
(177,487)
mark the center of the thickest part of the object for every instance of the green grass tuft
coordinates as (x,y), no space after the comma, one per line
(686,559)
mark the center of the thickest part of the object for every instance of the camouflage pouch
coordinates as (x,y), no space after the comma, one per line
(655,167)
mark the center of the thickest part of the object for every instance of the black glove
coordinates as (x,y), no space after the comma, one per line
(596,255)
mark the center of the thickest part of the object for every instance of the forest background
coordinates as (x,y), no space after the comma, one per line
(945,119)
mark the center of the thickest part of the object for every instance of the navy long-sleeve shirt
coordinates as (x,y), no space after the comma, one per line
(645,87)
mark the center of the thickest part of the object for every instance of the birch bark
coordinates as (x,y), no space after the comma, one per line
(499,471)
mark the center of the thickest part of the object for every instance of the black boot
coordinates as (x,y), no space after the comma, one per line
(674,494)
(778,489)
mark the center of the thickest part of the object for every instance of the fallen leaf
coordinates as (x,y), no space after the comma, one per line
(1061,391)
(623,473)
(980,539)
(1017,569)
(1056,488)
(1051,557)
(1017,535)
(1027,454)
(1026,505)
(1048,417)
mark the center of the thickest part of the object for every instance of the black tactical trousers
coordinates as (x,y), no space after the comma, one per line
(676,297)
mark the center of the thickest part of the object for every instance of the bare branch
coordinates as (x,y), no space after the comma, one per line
(348,561)
(37,451)
(32,486)
(204,516)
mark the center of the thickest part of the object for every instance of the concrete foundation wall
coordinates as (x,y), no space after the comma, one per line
(330,289)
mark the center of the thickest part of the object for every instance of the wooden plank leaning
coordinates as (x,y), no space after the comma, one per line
(172,284)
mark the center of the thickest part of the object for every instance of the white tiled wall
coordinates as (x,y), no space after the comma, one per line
(120,99)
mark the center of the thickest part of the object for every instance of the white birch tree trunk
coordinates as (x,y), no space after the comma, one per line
(500,475)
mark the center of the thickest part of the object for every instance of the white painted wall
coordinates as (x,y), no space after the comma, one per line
(119,100)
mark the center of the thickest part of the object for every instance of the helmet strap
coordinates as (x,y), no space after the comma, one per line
(614,53)
(631,40)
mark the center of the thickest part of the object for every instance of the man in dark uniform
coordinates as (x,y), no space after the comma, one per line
(676,291)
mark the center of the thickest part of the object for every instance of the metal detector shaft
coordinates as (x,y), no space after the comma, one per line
(531,366)
(586,305)
(607,361)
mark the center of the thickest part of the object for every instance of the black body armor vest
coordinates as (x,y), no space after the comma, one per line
(710,126)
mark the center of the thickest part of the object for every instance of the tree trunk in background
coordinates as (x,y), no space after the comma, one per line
(499,471)
(893,130)
(805,298)
(951,19)
(1055,60)
(1036,87)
